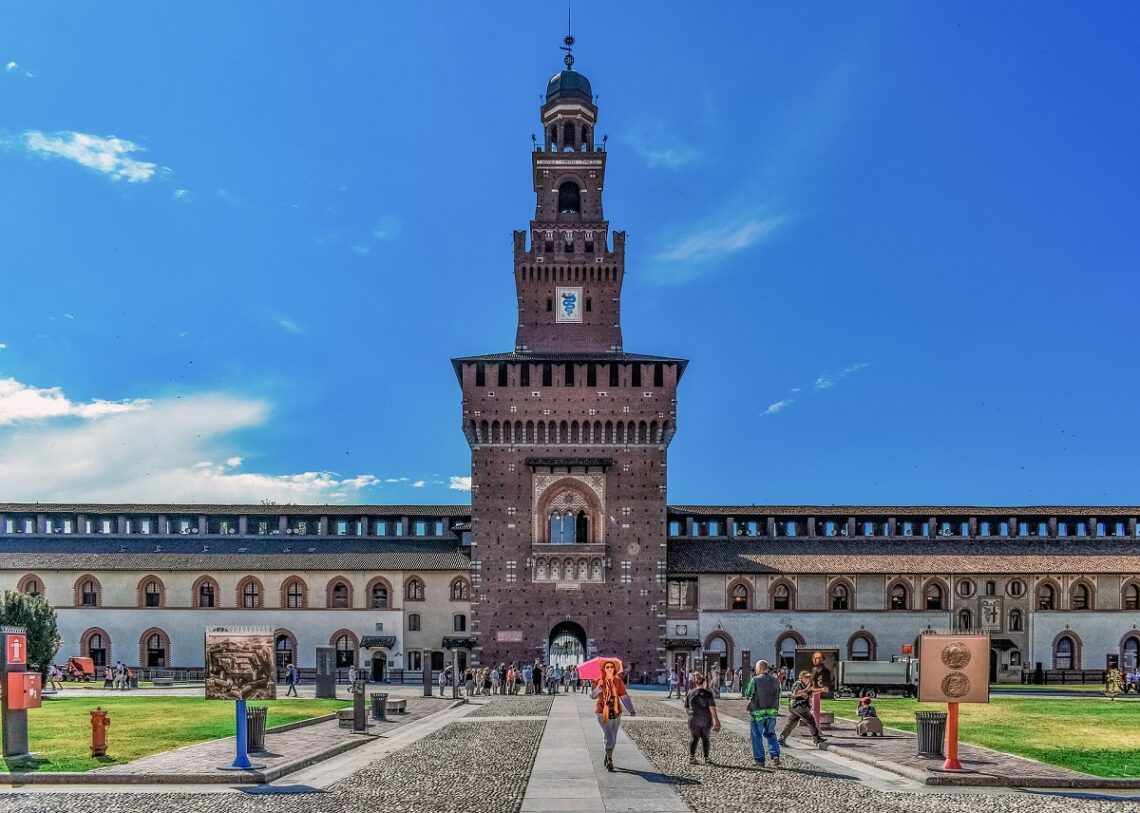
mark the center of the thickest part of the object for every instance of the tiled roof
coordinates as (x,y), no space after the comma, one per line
(127,553)
(830,511)
(249,510)
(912,555)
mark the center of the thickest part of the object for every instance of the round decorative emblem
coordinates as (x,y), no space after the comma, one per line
(956,684)
(956,655)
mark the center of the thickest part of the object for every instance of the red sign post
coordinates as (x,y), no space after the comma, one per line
(21,691)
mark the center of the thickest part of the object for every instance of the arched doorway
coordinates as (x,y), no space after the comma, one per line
(567,645)
(993,666)
(379,667)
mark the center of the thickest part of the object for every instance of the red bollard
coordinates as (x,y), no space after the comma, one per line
(99,723)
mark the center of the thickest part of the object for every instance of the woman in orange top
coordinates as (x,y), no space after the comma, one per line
(611,695)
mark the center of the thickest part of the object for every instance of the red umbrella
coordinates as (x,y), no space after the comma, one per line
(592,669)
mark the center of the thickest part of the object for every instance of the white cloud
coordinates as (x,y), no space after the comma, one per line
(20,403)
(361,251)
(716,242)
(828,379)
(143,451)
(419,484)
(658,145)
(180,194)
(11,66)
(285,323)
(69,316)
(3,346)
(459,483)
(779,405)
(387,229)
(110,155)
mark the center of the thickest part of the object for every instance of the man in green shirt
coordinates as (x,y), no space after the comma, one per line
(763,695)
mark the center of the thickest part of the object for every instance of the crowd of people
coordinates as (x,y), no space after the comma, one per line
(513,679)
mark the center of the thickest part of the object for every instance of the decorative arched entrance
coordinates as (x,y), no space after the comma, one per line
(567,644)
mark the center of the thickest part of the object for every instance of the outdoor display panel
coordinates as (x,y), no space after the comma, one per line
(955,668)
(823,663)
(240,665)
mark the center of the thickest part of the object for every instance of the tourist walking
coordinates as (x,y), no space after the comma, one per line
(55,677)
(108,677)
(120,676)
(703,718)
(611,695)
(799,708)
(763,695)
(674,686)
(292,676)
(442,680)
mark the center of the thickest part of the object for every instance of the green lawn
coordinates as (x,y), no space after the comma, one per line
(1091,735)
(59,734)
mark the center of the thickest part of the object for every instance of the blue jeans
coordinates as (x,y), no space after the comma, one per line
(764,730)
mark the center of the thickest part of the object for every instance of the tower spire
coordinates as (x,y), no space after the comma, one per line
(569,42)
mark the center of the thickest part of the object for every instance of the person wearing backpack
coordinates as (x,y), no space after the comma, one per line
(763,695)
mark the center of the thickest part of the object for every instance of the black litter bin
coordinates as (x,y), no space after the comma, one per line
(931,732)
(255,728)
(379,705)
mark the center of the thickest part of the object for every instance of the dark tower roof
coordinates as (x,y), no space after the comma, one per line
(568,84)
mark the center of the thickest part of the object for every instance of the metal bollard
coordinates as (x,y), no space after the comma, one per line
(99,723)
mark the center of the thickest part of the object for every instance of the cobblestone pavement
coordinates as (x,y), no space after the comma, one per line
(900,748)
(734,783)
(512,706)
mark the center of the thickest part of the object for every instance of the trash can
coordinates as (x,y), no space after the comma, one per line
(379,705)
(134,681)
(255,727)
(931,732)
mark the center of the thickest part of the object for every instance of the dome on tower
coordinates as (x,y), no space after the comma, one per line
(568,84)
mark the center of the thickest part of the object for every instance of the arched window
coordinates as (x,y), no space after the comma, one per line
(30,586)
(1015,621)
(1082,597)
(156,648)
(414,590)
(965,620)
(459,623)
(378,596)
(338,596)
(569,198)
(860,648)
(87,592)
(295,594)
(1046,597)
(96,645)
(840,597)
(568,135)
(1132,597)
(460,590)
(345,646)
(740,597)
(899,596)
(781,597)
(284,649)
(250,594)
(205,593)
(933,597)
(581,528)
(1064,653)
(1130,652)
(152,593)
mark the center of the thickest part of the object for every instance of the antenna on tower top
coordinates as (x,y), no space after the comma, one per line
(569,40)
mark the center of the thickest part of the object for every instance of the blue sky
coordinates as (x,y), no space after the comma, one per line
(898,243)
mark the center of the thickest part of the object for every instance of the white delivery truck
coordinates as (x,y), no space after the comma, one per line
(871,678)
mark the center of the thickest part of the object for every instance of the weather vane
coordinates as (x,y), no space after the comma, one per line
(569,40)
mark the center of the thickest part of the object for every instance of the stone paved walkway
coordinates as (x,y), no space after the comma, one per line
(568,775)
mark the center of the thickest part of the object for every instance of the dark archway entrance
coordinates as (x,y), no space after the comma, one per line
(993,666)
(379,667)
(567,644)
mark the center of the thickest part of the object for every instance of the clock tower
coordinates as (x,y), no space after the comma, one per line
(569,432)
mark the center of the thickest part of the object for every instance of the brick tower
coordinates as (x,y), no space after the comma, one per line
(568,433)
